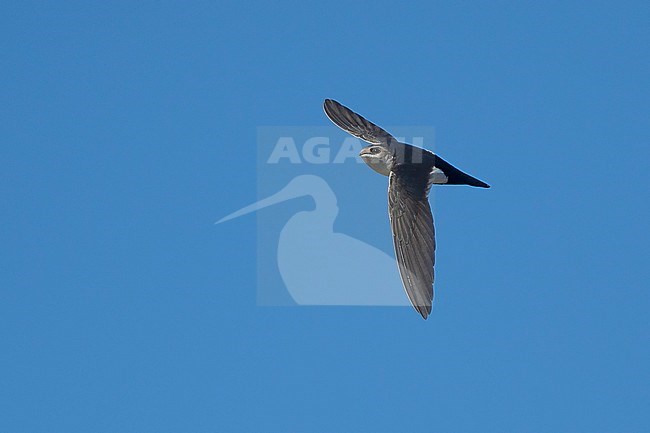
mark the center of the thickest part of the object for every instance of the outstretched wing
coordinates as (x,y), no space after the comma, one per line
(355,124)
(413,233)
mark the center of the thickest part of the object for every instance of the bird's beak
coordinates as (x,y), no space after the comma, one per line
(364,151)
(283,195)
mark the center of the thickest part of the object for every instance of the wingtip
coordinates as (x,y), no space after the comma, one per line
(329,104)
(330,107)
(326,104)
(424,310)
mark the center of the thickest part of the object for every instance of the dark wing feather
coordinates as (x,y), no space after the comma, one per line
(355,124)
(413,234)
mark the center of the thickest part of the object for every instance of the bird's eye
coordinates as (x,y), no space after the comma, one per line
(374,150)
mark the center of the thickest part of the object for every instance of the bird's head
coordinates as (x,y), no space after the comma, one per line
(379,158)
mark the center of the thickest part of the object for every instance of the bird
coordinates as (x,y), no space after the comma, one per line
(411,172)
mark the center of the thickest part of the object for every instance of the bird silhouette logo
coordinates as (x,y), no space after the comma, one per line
(321,267)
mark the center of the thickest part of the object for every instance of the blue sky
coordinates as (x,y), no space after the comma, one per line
(128,129)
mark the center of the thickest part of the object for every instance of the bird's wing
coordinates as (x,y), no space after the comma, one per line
(413,234)
(355,124)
